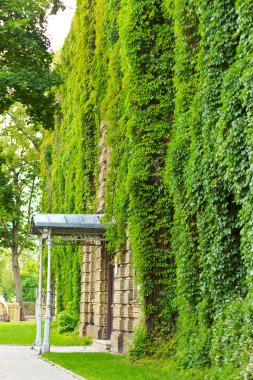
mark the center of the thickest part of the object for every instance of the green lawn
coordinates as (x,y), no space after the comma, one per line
(103,366)
(25,333)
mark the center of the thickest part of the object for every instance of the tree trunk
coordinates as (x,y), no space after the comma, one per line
(15,266)
(18,285)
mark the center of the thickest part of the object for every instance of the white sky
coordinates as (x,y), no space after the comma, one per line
(59,24)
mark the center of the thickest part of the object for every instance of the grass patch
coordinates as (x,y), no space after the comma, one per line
(103,366)
(17,333)
(25,333)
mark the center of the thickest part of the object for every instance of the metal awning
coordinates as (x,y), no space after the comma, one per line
(69,228)
(67,224)
(61,229)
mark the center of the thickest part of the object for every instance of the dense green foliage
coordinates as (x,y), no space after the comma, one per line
(205,155)
(7,287)
(29,279)
(25,59)
(67,320)
(173,81)
(28,271)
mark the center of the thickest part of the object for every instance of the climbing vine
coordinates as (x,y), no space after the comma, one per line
(146,31)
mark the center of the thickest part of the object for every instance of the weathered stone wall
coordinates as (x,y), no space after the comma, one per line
(94,289)
(126,311)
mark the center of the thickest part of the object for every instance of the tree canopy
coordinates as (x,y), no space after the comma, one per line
(25,58)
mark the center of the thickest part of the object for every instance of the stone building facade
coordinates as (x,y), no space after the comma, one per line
(109,306)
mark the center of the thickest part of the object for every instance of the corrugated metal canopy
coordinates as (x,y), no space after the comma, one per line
(67,224)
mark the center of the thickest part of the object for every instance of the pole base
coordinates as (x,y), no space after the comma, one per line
(45,348)
(38,343)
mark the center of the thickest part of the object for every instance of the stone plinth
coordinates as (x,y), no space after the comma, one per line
(14,311)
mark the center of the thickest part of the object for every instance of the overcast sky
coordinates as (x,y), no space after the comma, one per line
(58,25)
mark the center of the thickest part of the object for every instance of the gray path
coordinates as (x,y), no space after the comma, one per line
(23,363)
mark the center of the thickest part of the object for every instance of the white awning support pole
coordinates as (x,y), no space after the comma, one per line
(46,341)
(38,341)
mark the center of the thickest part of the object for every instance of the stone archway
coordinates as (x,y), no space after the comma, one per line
(4,313)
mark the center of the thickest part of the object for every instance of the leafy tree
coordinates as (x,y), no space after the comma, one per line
(25,57)
(19,160)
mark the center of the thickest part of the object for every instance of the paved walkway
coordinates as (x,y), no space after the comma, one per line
(23,363)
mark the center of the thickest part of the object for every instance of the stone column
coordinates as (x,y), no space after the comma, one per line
(87,289)
(126,311)
(99,304)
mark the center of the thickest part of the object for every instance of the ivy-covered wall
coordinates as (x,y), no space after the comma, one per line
(205,153)
(173,81)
